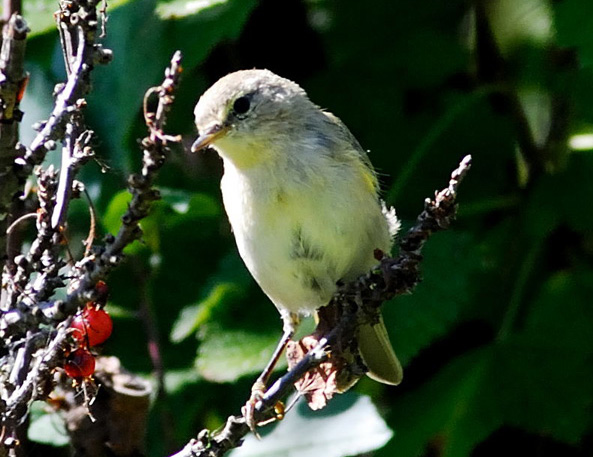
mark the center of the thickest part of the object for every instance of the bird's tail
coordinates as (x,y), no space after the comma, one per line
(378,354)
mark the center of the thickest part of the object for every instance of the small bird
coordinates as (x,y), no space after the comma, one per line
(302,199)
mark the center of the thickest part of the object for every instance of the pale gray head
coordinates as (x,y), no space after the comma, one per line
(249,111)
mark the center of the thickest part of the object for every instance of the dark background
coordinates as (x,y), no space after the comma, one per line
(497,340)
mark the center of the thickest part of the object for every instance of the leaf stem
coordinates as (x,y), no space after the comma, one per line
(510,316)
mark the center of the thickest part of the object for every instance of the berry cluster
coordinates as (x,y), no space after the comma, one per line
(91,327)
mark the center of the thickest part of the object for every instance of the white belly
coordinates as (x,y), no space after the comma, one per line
(298,239)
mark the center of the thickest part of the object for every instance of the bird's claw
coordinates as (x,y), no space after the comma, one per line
(248,411)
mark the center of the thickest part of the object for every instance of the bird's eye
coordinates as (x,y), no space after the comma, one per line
(241,105)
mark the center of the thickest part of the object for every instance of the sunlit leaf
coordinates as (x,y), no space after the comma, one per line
(191,317)
(47,427)
(227,355)
(117,207)
(349,425)
(179,8)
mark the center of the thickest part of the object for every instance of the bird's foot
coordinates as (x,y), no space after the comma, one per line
(248,411)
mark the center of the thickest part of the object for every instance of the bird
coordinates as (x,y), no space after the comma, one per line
(302,199)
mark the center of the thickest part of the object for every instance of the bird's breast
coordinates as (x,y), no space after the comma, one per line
(298,236)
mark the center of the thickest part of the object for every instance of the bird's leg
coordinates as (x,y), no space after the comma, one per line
(290,324)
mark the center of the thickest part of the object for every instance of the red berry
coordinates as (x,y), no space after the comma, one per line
(80,364)
(93,326)
(78,327)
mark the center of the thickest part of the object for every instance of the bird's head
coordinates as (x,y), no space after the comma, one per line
(246,114)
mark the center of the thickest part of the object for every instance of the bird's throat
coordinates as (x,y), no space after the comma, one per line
(243,155)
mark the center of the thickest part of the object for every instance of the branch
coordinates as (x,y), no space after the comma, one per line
(34,351)
(77,23)
(357,302)
(13,80)
(86,272)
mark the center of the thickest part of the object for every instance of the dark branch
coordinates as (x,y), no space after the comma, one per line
(13,79)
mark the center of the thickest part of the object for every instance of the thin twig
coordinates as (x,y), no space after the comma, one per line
(146,312)
(88,243)
(11,7)
(17,222)
(155,147)
(30,351)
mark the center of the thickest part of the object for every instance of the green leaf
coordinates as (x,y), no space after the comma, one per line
(430,56)
(544,387)
(177,199)
(183,202)
(177,380)
(539,379)
(415,320)
(118,205)
(193,316)
(562,313)
(349,425)
(514,22)
(176,206)
(46,427)
(136,37)
(226,355)
(444,410)
(204,206)
(39,15)
(208,22)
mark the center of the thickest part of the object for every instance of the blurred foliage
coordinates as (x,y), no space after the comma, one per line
(498,338)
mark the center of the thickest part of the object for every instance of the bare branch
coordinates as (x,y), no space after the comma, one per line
(102,260)
(77,22)
(66,124)
(9,8)
(35,353)
(13,80)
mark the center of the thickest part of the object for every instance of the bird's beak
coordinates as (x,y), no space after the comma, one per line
(208,136)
